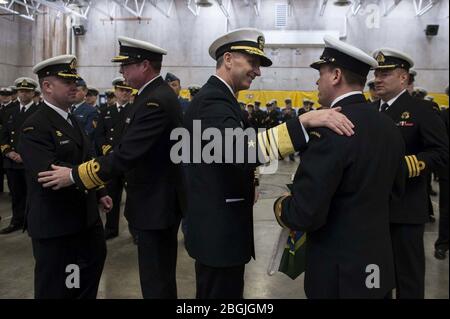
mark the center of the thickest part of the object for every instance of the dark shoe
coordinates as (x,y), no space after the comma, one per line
(440,253)
(433,193)
(432,219)
(110,235)
(10,229)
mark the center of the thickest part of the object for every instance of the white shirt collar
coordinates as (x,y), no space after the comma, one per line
(7,103)
(228,86)
(76,106)
(27,106)
(146,84)
(391,101)
(340,98)
(61,112)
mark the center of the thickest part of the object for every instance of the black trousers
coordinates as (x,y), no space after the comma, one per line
(429,189)
(219,283)
(87,250)
(442,241)
(409,259)
(18,188)
(157,256)
(115,190)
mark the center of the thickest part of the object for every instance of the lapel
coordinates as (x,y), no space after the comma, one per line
(142,98)
(398,106)
(216,82)
(84,138)
(61,124)
(119,123)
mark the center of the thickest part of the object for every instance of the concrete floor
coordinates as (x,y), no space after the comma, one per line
(121,280)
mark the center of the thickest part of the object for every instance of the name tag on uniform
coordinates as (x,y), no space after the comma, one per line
(405,124)
(234,200)
(64,142)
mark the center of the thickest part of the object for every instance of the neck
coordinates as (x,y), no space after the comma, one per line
(389,96)
(227,78)
(65,107)
(147,78)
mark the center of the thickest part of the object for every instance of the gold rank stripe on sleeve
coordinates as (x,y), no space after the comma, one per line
(414,165)
(275,143)
(88,174)
(278,210)
(106,148)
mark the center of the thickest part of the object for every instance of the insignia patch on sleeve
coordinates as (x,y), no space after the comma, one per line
(316,134)
(151,104)
(27,129)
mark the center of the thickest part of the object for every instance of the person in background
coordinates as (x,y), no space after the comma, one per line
(10,135)
(175,83)
(426,150)
(441,244)
(85,114)
(92,96)
(373,93)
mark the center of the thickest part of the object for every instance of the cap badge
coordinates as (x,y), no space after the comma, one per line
(73,64)
(405,115)
(261,42)
(24,83)
(381,58)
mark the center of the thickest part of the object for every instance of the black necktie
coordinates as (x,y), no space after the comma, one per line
(71,119)
(72,109)
(22,110)
(384,107)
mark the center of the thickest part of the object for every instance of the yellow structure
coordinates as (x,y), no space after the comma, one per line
(297,97)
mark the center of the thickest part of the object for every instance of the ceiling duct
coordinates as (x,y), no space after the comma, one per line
(342,3)
(203,3)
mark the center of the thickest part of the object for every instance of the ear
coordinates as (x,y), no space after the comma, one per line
(404,77)
(146,64)
(227,59)
(336,76)
(45,86)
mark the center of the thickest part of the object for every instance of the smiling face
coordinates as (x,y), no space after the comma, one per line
(243,69)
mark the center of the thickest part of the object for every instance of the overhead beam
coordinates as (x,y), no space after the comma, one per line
(389,9)
(196,10)
(323,7)
(165,12)
(422,8)
(225,10)
(356,6)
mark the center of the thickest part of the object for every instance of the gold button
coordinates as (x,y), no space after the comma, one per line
(12,133)
(112,130)
(86,192)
